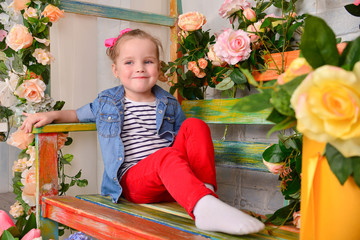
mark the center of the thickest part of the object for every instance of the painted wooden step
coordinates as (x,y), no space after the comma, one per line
(156,221)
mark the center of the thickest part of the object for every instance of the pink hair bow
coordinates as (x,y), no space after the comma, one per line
(111,41)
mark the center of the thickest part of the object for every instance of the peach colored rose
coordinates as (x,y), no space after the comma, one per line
(32,75)
(32,90)
(274,168)
(192,65)
(20,4)
(32,152)
(54,13)
(233,46)
(42,56)
(20,165)
(191,21)
(16,210)
(296,219)
(62,138)
(30,12)
(202,63)
(216,61)
(231,6)
(19,37)
(20,139)
(195,70)
(29,190)
(296,68)
(327,107)
(249,14)
(201,74)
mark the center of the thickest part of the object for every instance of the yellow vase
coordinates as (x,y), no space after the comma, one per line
(329,210)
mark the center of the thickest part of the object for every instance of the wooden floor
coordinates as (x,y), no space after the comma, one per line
(6,200)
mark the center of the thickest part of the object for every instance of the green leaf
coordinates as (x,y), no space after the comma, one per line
(238,77)
(318,43)
(292,29)
(69,141)
(225,84)
(17,63)
(68,157)
(283,214)
(31,223)
(288,122)
(78,175)
(350,55)
(58,105)
(274,154)
(82,183)
(275,116)
(353,10)
(290,87)
(7,236)
(339,165)
(281,102)
(254,102)
(356,171)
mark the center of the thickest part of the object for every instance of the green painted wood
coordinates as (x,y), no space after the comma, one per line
(173,215)
(99,10)
(220,111)
(65,127)
(244,155)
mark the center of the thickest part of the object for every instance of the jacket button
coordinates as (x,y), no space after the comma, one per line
(109,118)
(120,158)
(115,179)
(160,111)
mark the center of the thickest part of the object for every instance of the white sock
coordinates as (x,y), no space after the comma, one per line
(211,214)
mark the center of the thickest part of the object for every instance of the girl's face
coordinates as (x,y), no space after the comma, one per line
(137,67)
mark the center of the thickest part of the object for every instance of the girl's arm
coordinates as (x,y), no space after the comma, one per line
(43,118)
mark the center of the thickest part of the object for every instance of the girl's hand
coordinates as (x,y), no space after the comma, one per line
(36,120)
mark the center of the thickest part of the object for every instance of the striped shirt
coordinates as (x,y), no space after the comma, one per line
(139,133)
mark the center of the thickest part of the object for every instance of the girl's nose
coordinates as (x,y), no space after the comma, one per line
(140,68)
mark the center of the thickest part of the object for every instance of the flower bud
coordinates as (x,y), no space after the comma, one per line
(249,14)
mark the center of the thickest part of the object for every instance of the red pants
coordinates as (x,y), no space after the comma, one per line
(175,173)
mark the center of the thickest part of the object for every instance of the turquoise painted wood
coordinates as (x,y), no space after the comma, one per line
(99,10)
(220,111)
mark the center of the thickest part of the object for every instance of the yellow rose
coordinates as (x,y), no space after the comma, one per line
(327,106)
(191,21)
(296,68)
(19,37)
(20,4)
(54,13)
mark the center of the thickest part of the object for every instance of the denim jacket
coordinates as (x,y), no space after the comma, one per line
(107,111)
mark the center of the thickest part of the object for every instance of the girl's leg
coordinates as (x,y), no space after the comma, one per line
(164,176)
(194,140)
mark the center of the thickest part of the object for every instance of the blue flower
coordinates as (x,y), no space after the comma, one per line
(79,236)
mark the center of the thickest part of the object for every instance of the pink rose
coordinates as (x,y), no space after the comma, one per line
(202,63)
(20,4)
(32,90)
(3,34)
(233,46)
(5,222)
(249,14)
(54,13)
(33,233)
(356,2)
(19,37)
(20,139)
(274,168)
(296,219)
(191,21)
(231,6)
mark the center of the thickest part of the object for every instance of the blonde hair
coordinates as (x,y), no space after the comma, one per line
(113,52)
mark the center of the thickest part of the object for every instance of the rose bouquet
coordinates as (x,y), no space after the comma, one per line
(225,61)
(24,74)
(318,96)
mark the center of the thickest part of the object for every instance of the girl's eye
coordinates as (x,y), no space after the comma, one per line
(128,62)
(148,61)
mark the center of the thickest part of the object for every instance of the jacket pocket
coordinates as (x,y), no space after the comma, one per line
(109,125)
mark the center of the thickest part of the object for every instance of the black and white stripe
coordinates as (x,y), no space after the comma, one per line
(139,133)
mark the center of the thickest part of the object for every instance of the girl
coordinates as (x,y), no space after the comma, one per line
(143,160)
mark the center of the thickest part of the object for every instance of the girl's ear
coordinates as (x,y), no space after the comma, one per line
(113,67)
